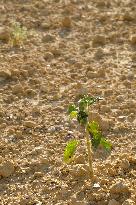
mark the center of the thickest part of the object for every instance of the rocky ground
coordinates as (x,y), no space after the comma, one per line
(72,46)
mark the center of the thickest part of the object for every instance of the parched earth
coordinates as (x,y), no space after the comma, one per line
(72,47)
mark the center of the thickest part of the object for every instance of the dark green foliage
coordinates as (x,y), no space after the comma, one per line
(79,110)
(82,117)
(71,108)
(96,136)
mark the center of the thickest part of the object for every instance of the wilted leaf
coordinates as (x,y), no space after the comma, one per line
(70,150)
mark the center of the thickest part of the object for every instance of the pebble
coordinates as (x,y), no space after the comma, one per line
(113,202)
(48,56)
(5,74)
(108,92)
(29,124)
(17,89)
(98,40)
(78,171)
(66,22)
(119,188)
(51,129)
(125,164)
(133,39)
(4,34)
(128,16)
(128,202)
(103,123)
(99,53)
(45,25)
(48,38)
(6,168)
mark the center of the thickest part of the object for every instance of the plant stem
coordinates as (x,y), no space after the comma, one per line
(89,149)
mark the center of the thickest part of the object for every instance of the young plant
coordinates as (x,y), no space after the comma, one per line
(93,135)
(18,34)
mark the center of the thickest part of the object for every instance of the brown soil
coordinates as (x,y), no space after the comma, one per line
(73,46)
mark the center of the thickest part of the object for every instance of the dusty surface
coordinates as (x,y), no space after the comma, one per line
(72,46)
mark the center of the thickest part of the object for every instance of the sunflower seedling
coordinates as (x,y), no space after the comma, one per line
(92,133)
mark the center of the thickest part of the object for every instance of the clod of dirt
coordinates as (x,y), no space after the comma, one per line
(78,171)
(113,202)
(66,22)
(48,38)
(4,34)
(6,168)
(104,123)
(119,188)
(99,54)
(45,25)
(128,202)
(125,164)
(48,56)
(76,202)
(128,17)
(17,89)
(29,124)
(98,40)
(133,39)
(5,74)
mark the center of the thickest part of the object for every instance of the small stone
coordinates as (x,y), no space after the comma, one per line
(133,39)
(52,129)
(92,74)
(119,188)
(44,160)
(98,40)
(45,25)
(113,202)
(99,53)
(48,56)
(108,92)
(5,74)
(79,159)
(125,164)
(48,38)
(29,124)
(17,89)
(105,108)
(128,202)
(6,169)
(38,174)
(66,22)
(128,17)
(112,172)
(4,34)
(103,123)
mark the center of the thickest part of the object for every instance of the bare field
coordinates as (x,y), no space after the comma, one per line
(57,50)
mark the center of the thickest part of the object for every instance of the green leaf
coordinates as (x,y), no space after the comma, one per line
(87,100)
(106,144)
(70,150)
(93,127)
(73,114)
(72,108)
(96,139)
